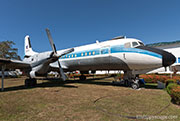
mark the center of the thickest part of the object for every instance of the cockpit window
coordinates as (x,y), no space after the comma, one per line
(134,44)
(142,44)
(127,45)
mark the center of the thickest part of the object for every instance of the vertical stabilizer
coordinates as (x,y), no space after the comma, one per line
(27,47)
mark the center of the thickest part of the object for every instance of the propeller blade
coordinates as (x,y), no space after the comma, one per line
(51,40)
(65,52)
(63,76)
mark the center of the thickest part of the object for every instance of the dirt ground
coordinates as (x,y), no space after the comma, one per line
(95,99)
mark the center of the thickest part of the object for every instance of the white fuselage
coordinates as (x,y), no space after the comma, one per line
(118,54)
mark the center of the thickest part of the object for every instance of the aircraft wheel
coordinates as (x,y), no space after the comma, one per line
(135,85)
(34,82)
(30,82)
(27,82)
(82,77)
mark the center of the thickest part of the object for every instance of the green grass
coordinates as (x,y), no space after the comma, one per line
(91,100)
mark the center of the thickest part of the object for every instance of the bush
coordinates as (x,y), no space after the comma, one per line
(174,91)
(168,81)
(148,78)
(152,78)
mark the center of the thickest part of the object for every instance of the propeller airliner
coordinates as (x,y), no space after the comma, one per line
(120,53)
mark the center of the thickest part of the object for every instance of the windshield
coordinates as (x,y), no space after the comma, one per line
(137,43)
(142,44)
(134,44)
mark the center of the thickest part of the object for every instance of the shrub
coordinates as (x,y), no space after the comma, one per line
(149,78)
(174,91)
(168,81)
(152,78)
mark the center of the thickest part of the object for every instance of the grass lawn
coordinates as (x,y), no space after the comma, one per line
(91,100)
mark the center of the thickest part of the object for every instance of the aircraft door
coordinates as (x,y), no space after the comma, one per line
(105,50)
(105,58)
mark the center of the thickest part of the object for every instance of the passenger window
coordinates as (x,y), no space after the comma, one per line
(127,45)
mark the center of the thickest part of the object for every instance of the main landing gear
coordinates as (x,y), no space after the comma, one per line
(131,80)
(30,82)
(82,77)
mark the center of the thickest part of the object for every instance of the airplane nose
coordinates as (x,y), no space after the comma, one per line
(168,59)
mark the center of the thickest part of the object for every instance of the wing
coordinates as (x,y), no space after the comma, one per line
(13,64)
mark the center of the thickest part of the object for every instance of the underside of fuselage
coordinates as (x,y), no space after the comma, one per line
(95,63)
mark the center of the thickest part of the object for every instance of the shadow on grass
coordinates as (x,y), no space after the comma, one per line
(48,83)
(152,86)
(57,83)
(60,83)
(96,81)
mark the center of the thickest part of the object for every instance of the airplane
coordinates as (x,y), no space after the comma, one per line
(120,53)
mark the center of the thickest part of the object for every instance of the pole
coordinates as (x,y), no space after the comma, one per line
(2,82)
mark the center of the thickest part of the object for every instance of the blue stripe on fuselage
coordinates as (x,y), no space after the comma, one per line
(113,49)
(121,49)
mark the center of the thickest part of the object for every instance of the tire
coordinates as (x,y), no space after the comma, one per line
(34,82)
(135,86)
(27,82)
(30,82)
(82,77)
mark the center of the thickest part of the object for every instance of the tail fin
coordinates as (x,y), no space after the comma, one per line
(27,47)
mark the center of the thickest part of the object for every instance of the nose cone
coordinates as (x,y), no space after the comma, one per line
(168,59)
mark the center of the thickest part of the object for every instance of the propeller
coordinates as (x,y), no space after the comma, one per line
(55,54)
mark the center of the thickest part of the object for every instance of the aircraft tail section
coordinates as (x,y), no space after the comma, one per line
(28,48)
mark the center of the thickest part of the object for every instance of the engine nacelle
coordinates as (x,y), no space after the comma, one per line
(32,74)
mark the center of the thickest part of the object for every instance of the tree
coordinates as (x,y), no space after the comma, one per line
(7,51)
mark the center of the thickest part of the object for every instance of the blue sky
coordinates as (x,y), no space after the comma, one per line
(78,22)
